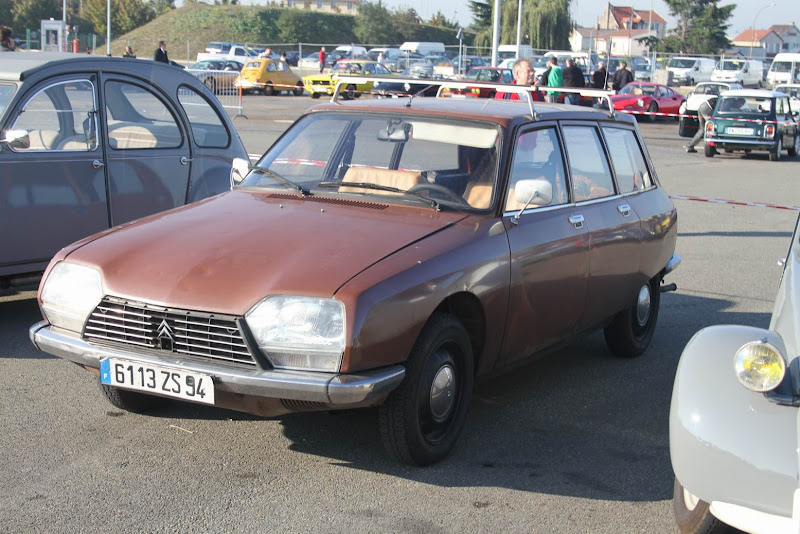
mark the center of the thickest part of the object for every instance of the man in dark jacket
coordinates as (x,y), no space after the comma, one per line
(161,53)
(573,77)
(622,77)
(600,76)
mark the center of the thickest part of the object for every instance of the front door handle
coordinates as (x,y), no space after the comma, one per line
(185,160)
(625,210)
(97,164)
(576,221)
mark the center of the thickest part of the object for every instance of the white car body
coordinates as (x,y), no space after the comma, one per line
(237,52)
(703,92)
(426,49)
(784,66)
(691,70)
(747,72)
(793,90)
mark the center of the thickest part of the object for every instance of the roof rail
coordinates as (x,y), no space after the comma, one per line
(461,84)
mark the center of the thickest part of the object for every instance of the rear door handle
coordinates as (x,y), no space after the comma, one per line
(625,210)
(97,164)
(185,160)
(576,221)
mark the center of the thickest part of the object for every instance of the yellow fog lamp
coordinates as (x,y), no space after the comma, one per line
(759,366)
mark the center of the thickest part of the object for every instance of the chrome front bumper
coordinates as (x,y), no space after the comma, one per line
(329,388)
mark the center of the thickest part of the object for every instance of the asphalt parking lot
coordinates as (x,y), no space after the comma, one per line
(576,442)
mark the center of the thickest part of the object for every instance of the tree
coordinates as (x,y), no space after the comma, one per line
(128,15)
(546,22)
(162,6)
(481,14)
(375,24)
(702,25)
(440,20)
(28,14)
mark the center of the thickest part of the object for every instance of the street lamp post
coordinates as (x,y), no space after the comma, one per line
(753,27)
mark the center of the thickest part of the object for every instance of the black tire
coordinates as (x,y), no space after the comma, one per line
(315,95)
(411,430)
(682,128)
(131,401)
(349,92)
(709,151)
(795,148)
(775,155)
(269,89)
(211,83)
(298,91)
(695,517)
(652,108)
(631,330)
(491,94)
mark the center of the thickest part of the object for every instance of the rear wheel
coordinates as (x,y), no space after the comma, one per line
(131,401)
(693,515)
(350,92)
(775,155)
(298,91)
(631,330)
(421,420)
(709,151)
(795,148)
(269,89)
(653,108)
(682,128)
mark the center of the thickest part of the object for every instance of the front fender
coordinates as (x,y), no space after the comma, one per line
(727,443)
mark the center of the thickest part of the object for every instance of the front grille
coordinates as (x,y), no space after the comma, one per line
(320,82)
(204,335)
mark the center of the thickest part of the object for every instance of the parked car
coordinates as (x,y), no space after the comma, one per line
(269,76)
(745,72)
(311,61)
(394,88)
(785,68)
(649,97)
(442,241)
(293,57)
(733,421)
(792,90)
(391,57)
(688,122)
(217,75)
(753,119)
(482,74)
(691,70)
(70,167)
(645,72)
(464,63)
(325,84)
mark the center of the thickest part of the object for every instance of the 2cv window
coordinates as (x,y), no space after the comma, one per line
(138,119)
(208,129)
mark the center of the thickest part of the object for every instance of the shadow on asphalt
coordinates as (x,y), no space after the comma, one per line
(17,316)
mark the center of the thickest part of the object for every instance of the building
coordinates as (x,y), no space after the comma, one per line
(622,43)
(585,39)
(790,35)
(328,6)
(630,18)
(762,44)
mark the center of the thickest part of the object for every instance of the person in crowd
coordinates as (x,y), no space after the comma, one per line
(161,53)
(7,43)
(573,77)
(553,77)
(622,77)
(600,76)
(703,114)
(381,58)
(283,56)
(523,75)
(89,50)
(266,53)
(129,52)
(322,57)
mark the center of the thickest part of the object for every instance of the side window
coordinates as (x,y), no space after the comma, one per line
(537,156)
(138,119)
(208,129)
(304,153)
(239,52)
(283,67)
(271,67)
(629,163)
(60,117)
(591,175)
(507,77)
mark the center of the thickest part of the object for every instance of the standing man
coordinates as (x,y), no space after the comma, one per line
(161,53)
(622,77)
(523,75)
(7,43)
(322,57)
(573,77)
(703,114)
(555,78)
(600,76)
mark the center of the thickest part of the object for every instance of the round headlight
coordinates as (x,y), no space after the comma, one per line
(759,366)
(640,103)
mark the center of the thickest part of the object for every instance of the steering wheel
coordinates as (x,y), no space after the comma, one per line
(439,189)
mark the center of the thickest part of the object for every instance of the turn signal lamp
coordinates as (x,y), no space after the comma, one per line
(759,366)
(769,131)
(709,128)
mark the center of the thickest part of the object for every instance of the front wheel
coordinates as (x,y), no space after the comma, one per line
(314,95)
(693,515)
(709,151)
(350,92)
(795,148)
(130,401)
(631,330)
(421,420)
(682,132)
(775,155)
(269,89)
(298,91)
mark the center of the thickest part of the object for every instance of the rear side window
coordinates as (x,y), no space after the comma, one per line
(591,174)
(208,129)
(138,119)
(628,160)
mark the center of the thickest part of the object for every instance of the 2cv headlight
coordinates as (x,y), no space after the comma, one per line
(759,366)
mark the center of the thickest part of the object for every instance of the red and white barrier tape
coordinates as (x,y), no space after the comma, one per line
(735,202)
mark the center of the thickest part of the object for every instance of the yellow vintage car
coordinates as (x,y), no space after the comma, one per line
(325,84)
(270,76)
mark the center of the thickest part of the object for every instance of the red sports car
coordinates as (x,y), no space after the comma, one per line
(646,96)
(482,74)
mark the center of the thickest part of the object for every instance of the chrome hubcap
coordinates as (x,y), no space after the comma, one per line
(643,305)
(443,392)
(689,500)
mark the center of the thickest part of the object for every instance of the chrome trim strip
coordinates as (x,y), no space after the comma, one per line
(721,140)
(672,264)
(329,388)
(93,321)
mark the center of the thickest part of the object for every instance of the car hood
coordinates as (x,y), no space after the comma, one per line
(226,253)
(624,99)
(318,77)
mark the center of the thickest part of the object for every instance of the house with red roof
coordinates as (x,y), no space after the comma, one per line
(629,18)
(758,44)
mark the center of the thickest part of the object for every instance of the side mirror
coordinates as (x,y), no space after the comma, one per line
(697,67)
(534,192)
(16,139)
(240,167)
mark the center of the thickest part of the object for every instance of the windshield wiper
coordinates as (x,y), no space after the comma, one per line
(278,178)
(365,185)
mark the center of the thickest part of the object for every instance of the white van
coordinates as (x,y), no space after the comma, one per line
(784,67)
(747,72)
(352,51)
(426,49)
(691,70)
(510,52)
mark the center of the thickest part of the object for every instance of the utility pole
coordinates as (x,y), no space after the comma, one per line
(496,32)
(519,27)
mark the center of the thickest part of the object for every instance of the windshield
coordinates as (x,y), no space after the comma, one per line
(681,63)
(781,66)
(347,67)
(451,163)
(732,65)
(793,92)
(6,92)
(744,105)
(507,55)
(539,61)
(636,89)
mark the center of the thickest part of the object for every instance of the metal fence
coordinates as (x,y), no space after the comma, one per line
(223,84)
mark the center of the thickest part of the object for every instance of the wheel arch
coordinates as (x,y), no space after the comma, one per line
(468,309)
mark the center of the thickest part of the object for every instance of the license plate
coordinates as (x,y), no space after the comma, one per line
(196,387)
(739,131)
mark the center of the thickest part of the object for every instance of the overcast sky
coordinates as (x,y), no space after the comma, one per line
(586,12)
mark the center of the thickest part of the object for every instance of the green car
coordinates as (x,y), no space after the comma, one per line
(749,119)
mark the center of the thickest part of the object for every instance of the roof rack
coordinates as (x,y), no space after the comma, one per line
(460,84)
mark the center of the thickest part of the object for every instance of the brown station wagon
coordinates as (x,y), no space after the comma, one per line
(385,252)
